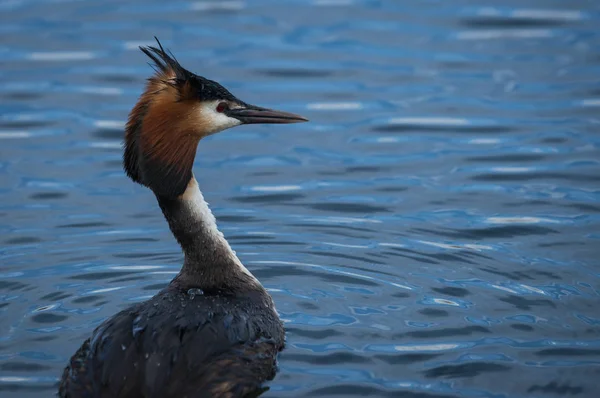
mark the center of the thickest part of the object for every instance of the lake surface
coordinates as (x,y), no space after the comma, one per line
(434,231)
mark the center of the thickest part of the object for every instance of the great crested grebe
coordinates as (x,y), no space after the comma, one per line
(213,331)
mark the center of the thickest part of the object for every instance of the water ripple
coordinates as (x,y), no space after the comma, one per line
(431,233)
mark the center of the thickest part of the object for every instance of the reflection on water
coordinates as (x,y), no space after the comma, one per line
(432,232)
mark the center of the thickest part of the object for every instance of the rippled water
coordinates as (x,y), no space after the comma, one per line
(434,231)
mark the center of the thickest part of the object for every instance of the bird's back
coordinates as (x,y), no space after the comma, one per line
(180,344)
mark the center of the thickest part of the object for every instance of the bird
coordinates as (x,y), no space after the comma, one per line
(214,330)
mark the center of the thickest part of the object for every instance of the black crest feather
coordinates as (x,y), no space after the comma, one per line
(199,87)
(166,61)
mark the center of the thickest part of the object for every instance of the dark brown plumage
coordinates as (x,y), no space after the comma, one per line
(176,345)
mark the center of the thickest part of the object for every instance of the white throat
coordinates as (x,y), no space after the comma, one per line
(201,213)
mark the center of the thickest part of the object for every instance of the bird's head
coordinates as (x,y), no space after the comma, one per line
(176,110)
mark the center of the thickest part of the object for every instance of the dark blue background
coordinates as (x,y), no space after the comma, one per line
(435,229)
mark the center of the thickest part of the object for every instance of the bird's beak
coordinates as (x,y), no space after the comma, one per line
(251,114)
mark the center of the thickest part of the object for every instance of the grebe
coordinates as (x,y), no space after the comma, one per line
(213,331)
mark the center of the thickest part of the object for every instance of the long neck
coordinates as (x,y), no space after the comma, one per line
(209,264)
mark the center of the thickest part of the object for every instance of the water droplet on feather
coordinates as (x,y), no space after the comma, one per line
(193,292)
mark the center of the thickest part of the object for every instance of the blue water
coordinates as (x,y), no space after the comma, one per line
(434,231)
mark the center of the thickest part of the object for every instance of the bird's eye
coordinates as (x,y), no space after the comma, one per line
(222,107)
